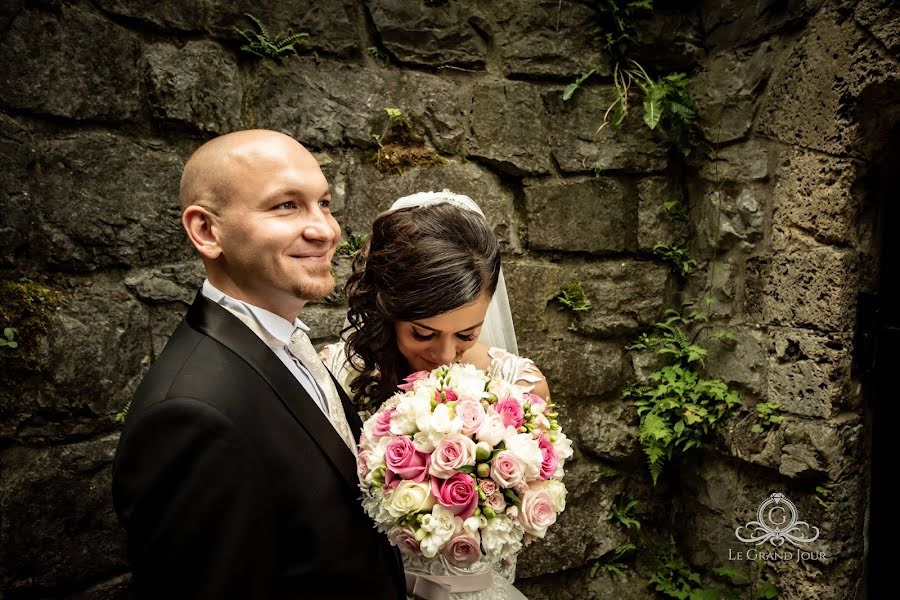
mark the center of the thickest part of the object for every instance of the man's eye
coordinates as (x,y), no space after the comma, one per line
(420,337)
(325,203)
(289,205)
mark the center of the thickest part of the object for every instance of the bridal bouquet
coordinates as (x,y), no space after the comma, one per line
(462,464)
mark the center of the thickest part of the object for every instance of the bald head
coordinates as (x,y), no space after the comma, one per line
(209,175)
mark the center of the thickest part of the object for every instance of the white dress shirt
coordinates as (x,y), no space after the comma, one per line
(278,331)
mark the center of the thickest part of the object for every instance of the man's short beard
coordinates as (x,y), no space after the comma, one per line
(318,284)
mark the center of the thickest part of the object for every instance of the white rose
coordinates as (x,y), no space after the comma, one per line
(492,430)
(526,449)
(557,492)
(501,537)
(468,382)
(434,427)
(375,458)
(407,412)
(409,497)
(439,527)
(473,524)
(563,447)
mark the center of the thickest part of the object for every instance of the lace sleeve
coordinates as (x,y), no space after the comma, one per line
(513,368)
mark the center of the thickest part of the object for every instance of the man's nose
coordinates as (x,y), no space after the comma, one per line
(321,227)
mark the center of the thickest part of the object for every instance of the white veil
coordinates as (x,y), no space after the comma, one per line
(498,330)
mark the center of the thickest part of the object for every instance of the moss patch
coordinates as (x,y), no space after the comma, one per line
(25,305)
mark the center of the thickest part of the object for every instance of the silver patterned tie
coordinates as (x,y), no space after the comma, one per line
(302,348)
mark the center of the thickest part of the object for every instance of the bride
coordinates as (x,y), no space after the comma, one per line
(428,290)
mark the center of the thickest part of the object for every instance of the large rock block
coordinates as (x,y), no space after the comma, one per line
(589,369)
(832,449)
(729,215)
(16,210)
(446,34)
(187,15)
(811,288)
(578,584)
(741,162)
(728,91)
(508,124)
(809,374)
(308,101)
(579,145)
(607,430)
(740,363)
(371,192)
(826,74)
(624,296)
(176,282)
(546,39)
(56,516)
(656,225)
(669,40)
(197,85)
(733,23)
(60,64)
(85,370)
(882,20)
(814,193)
(332,26)
(107,200)
(581,215)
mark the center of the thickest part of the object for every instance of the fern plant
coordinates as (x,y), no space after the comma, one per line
(614,560)
(573,298)
(261,43)
(677,258)
(622,512)
(352,245)
(767,413)
(678,409)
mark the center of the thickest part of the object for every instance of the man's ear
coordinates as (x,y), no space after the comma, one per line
(200,225)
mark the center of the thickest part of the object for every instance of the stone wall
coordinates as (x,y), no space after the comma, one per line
(101,102)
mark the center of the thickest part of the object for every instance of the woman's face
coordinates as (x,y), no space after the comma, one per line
(429,343)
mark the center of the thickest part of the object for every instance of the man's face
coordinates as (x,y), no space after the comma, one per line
(276,231)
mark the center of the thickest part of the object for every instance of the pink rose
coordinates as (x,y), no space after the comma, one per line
(496,502)
(471,414)
(404,461)
(405,539)
(511,412)
(488,486)
(463,549)
(457,494)
(450,395)
(382,425)
(551,459)
(506,469)
(451,453)
(537,512)
(412,378)
(538,404)
(362,465)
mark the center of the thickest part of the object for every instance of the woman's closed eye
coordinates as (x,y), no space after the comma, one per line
(424,337)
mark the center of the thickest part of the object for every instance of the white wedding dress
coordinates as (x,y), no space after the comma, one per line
(504,365)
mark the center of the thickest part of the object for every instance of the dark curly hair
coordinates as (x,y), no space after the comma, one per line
(417,263)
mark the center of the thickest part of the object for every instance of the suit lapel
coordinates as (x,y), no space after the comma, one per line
(349,409)
(216,322)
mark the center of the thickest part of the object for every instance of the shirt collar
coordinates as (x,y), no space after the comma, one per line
(274,325)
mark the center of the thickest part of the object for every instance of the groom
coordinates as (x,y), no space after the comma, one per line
(234,476)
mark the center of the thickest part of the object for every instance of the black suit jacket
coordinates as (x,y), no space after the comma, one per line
(231,482)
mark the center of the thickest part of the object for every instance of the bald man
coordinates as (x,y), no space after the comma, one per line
(234,476)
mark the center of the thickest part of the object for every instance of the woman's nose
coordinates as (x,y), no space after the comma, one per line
(445,353)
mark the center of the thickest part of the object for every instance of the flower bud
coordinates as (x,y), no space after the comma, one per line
(483,470)
(420,534)
(488,512)
(482,451)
